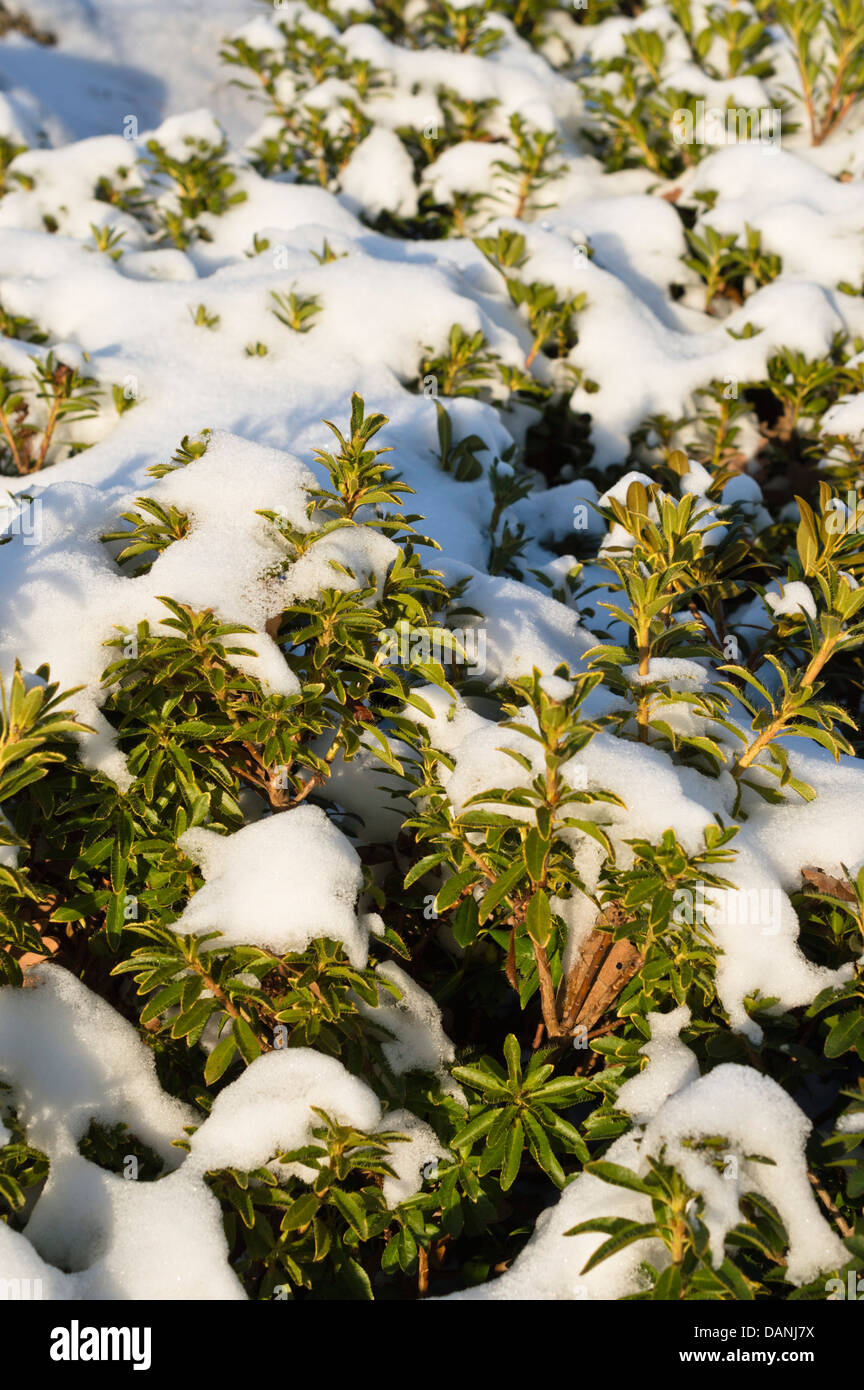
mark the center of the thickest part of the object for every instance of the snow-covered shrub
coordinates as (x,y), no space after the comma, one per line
(429,851)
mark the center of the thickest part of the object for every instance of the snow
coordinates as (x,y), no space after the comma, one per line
(122,75)
(70,1058)
(550,1266)
(73,1058)
(754,923)
(267,1110)
(644,366)
(253,892)
(673,1104)
(412,1161)
(671,1066)
(465,168)
(792,599)
(381,162)
(756,1116)
(222,563)
(524,628)
(414,1020)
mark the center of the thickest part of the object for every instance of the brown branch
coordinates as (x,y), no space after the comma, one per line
(12,442)
(578,983)
(837,116)
(597,979)
(770,732)
(547,991)
(510,966)
(829,1206)
(48,433)
(832,115)
(606,1028)
(214,988)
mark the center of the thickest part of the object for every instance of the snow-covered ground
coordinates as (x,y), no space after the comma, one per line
(123,72)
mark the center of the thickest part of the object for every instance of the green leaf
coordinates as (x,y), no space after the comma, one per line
(480,1080)
(455,887)
(351,1207)
(628,1232)
(249,1046)
(357,1280)
(193,1020)
(538,918)
(423,866)
(668,1286)
(536,848)
(301,1212)
(118,868)
(513,1146)
(220,1058)
(465,923)
(845,1034)
(161,1001)
(115,917)
(617,1175)
(729,1275)
(11,1191)
(467,1137)
(538,1142)
(512,1056)
(499,889)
